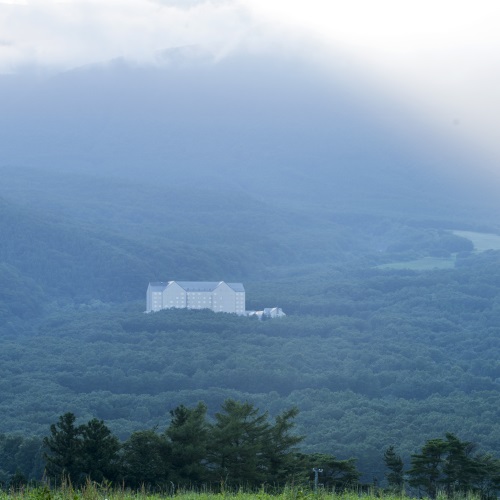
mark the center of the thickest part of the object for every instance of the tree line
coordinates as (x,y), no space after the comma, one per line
(243,447)
(449,465)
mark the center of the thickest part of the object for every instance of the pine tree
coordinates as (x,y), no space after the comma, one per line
(426,467)
(98,452)
(188,435)
(487,482)
(394,463)
(280,448)
(146,458)
(237,444)
(452,466)
(460,468)
(64,446)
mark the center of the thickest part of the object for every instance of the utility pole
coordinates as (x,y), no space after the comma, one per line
(316,478)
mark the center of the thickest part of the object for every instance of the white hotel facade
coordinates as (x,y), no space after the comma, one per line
(217,296)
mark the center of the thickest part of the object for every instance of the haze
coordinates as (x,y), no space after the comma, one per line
(439,61)
(340,160)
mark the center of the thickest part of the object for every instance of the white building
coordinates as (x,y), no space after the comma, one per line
(217,296)
(273,312)
(268,312)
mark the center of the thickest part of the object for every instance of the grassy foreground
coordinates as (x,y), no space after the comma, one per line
(93,492)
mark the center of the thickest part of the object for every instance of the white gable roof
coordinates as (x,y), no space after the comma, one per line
(207,286)
(197,286)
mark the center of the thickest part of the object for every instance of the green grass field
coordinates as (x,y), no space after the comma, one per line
(93,492)
(481,241)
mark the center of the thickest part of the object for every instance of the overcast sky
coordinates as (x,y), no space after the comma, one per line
(441,58)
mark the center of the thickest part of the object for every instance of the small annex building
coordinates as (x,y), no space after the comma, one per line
(267,313)
(217,296)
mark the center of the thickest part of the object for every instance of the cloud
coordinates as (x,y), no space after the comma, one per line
(184,4)
(439,59)
(69,34)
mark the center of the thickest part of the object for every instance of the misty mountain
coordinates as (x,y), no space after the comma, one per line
(114,175)
(82,237)
(268,128)
(99,244)
(301,186)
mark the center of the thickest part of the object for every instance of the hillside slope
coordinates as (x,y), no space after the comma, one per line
(371,359)
(112,177)
(281,131)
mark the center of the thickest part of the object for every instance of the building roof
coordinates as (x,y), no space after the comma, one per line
(158,284)
(197,286)
(237,287)
(207,286)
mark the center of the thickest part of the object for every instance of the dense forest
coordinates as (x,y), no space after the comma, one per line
(371,356)
(240,449)
(392,330)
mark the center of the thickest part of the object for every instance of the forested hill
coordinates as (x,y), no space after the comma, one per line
(223,171)
(79,238)
(82,238)
(112,178)
(257,126)
(371,359)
